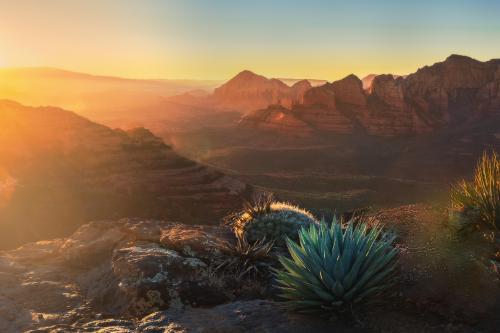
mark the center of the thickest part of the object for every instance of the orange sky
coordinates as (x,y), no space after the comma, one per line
(216,39)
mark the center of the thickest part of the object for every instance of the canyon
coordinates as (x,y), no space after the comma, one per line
(383,140)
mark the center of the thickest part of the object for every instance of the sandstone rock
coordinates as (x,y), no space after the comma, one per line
(248,91)
(154,278)
(91,243)
(107,268)
(349,90)
(367,81)
(323,96)
(447,92)
(139,284)
(278,119)
(206,242)
(455,91)
(388,90)
(298,90)
(239,317)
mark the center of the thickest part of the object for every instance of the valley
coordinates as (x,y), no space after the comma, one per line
(189,166)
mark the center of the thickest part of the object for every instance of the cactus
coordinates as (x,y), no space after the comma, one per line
(336,268)
(271,220)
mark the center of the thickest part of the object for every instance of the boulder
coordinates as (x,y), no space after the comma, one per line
(153,277)
(199,241)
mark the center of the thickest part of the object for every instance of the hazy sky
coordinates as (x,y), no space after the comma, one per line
(215,39)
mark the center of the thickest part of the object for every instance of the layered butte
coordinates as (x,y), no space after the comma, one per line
(455,91)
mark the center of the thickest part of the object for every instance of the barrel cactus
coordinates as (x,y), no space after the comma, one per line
(272,220)
(336,268)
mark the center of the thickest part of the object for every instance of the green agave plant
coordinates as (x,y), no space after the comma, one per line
(336,268)
(479,200)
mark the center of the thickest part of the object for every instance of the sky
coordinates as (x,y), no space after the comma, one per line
(215,39)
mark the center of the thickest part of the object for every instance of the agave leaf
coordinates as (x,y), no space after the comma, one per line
(338,271)
(338,290)
(380,276)
(298,253)
(354,272)
(298,293)
(298,271)
(325,295)
(328,282)
(337,231)
(347,254)
(374,268)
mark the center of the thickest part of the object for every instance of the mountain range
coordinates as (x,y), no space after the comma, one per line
(456,91)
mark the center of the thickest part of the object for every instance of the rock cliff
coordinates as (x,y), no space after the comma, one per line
(248,91)
(449,93)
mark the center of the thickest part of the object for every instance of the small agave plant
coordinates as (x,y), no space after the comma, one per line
(336,268)
(248,259)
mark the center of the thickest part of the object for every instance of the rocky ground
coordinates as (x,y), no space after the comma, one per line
(155,276)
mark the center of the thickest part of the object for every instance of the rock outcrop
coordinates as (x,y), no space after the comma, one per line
(278,119)
(248,91)
(134,275)
(367,81)
(450,93)
(61,165)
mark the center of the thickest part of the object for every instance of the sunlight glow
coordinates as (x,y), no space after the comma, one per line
(7,187)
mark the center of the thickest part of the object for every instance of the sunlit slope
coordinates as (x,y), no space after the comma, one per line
(58,170)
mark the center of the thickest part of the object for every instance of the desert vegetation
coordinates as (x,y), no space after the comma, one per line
(336,268)
(248,259)
(272,220)
(476,203)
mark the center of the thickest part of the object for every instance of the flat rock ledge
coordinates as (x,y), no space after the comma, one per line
(135,275)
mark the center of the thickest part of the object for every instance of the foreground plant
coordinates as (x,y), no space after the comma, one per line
(478,202)
(268,219)
(336,268)
(248,259)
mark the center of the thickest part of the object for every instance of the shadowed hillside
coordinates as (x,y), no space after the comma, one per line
(59,170)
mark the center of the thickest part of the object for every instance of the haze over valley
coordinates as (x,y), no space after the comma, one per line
(349,144)
(187,166)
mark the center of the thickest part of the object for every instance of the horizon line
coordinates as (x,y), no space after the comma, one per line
(280,77)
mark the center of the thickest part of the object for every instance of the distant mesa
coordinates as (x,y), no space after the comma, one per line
(313,82)
(367,81)
(248,91)
(453,92)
